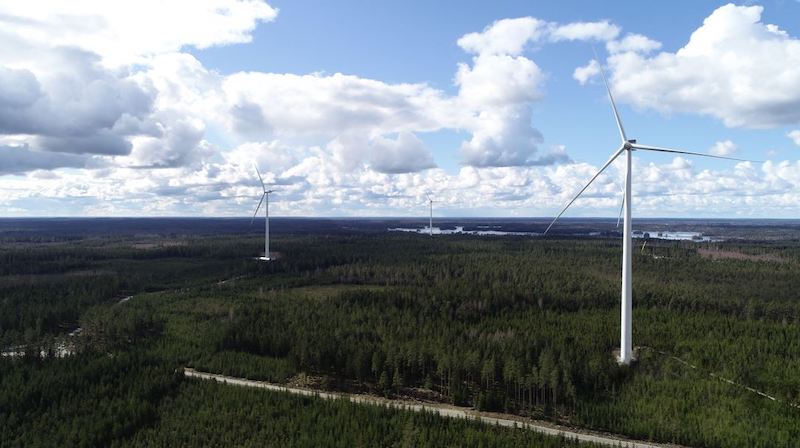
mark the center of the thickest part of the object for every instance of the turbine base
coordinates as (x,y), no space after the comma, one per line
(633,360)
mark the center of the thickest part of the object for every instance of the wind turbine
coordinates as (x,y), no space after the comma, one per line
(266,216)
(430,204)
(627,147)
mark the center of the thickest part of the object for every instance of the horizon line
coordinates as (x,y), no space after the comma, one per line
(399,217)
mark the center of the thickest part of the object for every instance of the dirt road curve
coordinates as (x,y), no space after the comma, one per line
(441,409)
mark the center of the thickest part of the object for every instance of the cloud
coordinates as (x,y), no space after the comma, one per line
(78,97)
(181,144)
(83,79)
(83,107)
(633,42)
(18,88)
(346,115)
(587,72)
(124,33)
(18,159)
(405,154)
(134,100)
(734,67)
(313,184)
(272,157)
(795,136)
(602,31)
(506,36)
(501,84)
(497,80)
(135,129)
(510,36)
(248,119)
(321,106)
(73,109)
(556,155)
(723,148)
(499,87)
(101,142)
(504,137)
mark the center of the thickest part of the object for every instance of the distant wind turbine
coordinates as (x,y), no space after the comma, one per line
(430,204)
(627,147)
(264,195)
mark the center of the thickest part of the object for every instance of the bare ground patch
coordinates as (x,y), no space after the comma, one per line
(160,244)
(718,254)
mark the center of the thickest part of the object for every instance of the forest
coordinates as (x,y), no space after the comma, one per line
(518,325)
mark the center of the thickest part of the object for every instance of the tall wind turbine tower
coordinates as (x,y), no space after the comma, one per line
(430,204)
(264,196)
(627,147)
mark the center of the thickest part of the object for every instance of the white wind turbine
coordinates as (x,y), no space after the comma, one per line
(264,195)
(430,204)
(627,147)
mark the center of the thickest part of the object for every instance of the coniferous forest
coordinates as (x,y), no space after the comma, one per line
(517,325)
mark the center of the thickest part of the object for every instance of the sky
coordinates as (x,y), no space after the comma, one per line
(360,108)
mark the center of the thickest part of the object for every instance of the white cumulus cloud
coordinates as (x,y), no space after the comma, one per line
(127,132)
(795,136)
(78,80)
(506,36)
(125,32)
(723,148)
(585,73)
(734,67)
(602,31)
(403,154)
(633,42)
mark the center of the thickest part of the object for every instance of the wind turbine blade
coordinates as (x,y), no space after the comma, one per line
(621,207)
(259,178)
(678,151)
(613,157)
(257,207)
(610,97)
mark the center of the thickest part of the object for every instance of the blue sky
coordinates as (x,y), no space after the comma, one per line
(201,95)
(415,41)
